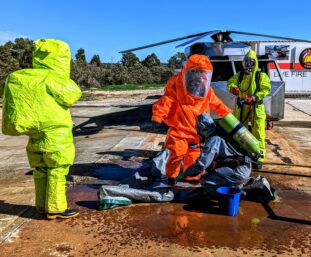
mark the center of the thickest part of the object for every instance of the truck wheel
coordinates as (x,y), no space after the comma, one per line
(269,125)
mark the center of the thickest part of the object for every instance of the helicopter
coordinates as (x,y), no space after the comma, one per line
(291,54)
(286,60)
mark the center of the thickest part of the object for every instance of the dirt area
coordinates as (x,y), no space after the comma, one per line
(111,142)
(128,97)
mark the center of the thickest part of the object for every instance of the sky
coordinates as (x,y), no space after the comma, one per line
(107,27)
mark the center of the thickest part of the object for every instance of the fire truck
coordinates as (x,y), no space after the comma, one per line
(294,60)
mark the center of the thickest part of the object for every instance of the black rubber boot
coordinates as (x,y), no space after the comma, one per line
(257,165)
(69,213)
(171,181)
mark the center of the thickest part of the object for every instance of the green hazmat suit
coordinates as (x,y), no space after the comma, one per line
(36,103)
(254,113)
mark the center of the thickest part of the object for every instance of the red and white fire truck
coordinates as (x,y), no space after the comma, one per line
(294,61)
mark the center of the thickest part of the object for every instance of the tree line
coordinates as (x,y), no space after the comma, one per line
(129,70)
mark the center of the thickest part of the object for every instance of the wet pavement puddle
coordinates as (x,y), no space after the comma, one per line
(196,226)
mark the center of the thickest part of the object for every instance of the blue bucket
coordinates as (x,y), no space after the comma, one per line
(229,200)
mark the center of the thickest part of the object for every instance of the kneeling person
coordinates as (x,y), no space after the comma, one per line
(224,163)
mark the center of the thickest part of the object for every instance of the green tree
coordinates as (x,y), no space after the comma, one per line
(120,74)
(151,60)
(129,59)
(8,63)
(95,76)
(106,76)
(160,74)
(176,61)
(22,51)
(139,74)
(80,73)
(95,60)
(80,55)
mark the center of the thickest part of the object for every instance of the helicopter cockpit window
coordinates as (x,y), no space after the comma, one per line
(222,71)
(197,48)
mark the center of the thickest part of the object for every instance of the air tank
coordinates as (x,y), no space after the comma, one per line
(240,134)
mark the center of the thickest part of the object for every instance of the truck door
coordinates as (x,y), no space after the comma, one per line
(298,78)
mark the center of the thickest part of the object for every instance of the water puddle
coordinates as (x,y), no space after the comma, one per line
(197,226)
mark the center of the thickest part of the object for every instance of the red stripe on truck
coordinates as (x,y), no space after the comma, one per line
(287,66)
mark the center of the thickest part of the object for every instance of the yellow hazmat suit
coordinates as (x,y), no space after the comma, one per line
(36,103)
(247,89)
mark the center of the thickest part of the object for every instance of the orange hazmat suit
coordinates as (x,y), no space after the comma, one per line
(179,108)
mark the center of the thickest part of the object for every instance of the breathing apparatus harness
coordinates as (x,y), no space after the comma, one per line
(242,102)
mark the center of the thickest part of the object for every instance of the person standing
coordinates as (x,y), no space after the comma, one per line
(187,95)
(251,86)
(36,103)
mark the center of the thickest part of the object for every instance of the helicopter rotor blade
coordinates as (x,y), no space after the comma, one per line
(212,34)
(270,36)
(208,34)
(163,42)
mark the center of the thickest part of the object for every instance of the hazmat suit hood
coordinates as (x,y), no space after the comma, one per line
(252,54)
(38,99)
(52,54)
(199,63)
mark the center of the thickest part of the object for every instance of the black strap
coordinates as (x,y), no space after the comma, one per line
(232,162)
(236,129)
(257,80)
(240,78)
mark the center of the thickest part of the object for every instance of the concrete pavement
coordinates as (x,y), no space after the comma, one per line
(113,141)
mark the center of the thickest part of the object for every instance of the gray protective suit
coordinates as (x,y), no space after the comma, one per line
(224,163)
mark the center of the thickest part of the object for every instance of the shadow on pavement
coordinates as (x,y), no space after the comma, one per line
(293,124)
(126,154)
(210,207)
(88,204)
(115,169)
(20,210)
(102,171)
(274,216)
(284,173)
(138,116)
